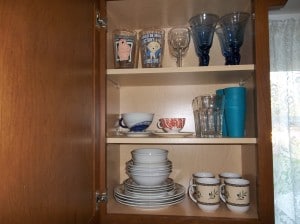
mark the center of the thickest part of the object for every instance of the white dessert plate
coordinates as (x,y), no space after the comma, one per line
(138,134)
(173,135)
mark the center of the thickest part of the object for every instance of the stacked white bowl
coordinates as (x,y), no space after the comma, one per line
(149,166)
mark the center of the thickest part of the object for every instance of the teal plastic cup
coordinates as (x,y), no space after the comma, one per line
(235,111)
(221,105)
(235,96)
(235,121)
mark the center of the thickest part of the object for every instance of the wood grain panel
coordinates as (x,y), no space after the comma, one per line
(46,111)
(276,3)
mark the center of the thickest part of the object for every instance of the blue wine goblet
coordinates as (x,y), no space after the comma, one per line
(203,28)
(225,48)
(233,26)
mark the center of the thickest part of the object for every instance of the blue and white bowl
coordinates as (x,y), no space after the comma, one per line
(136,121)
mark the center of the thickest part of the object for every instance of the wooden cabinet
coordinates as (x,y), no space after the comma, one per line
(168,91)
(47,109)
(60,97)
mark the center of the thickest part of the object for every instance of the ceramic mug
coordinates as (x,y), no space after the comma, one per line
(136,121)
(235,193)
(200,174)
(196,176)
(226,175)
(171,125)
(207,194)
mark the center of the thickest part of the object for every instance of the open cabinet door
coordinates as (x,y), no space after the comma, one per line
(47,112)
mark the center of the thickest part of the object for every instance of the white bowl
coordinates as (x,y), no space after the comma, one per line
(152,180)
(149,172)
(150,166)
(149,155)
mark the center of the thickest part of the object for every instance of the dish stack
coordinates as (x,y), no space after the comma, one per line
(149,184)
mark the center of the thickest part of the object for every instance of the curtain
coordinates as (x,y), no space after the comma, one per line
(285,99)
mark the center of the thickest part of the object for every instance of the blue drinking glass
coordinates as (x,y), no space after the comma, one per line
(233,26)
(203,28)
(225,48)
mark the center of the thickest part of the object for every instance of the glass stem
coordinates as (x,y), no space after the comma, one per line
(179,58)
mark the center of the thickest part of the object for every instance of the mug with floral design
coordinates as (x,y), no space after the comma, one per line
(235,193)
(207,194)
(171,125)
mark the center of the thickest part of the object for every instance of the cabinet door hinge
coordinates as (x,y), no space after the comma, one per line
(100,22)
(100,198)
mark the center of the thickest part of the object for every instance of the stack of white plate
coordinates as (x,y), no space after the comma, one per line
(132,194)
(149,184)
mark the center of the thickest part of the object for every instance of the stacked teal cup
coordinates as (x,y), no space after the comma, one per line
(221,105)
(235,111)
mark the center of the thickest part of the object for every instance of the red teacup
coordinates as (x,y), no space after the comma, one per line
(171,124)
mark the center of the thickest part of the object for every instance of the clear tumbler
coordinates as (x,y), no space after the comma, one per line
(208,116)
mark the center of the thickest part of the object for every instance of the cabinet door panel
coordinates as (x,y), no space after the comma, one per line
(46,111)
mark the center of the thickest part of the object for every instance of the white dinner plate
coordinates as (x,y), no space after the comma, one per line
(150,204)
(175,196)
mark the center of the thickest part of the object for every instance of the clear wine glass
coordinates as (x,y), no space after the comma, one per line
(179,40)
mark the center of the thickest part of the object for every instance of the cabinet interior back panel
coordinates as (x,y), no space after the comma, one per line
(140,14)
(171,101)
(166,13)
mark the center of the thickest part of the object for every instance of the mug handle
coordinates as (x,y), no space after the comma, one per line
(121,123)
(191,193)
(223,193)
(159,125)
(191,182)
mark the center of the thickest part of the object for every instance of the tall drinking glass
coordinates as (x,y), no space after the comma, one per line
(203,28)
(233,26)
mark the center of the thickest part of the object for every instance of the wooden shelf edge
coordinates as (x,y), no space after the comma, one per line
(214,68)
(184,140)
(181,76)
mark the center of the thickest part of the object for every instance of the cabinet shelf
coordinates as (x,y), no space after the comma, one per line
(187,208)
(219,74)
(117,139)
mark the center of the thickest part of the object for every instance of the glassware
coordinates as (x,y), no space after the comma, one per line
(203,28)
(225,48)
(152,47)
(125,48)
(233,26)
(179,40)
(208,115)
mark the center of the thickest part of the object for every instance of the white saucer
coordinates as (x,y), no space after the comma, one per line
(172,135)
(138,134)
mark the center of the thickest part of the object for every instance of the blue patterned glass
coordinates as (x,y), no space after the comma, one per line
(203,28)
(233,26)
(224,44)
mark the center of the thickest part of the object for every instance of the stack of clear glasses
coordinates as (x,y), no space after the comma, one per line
(208,114)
